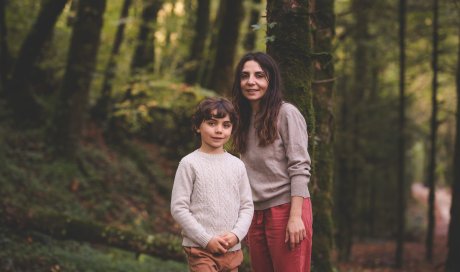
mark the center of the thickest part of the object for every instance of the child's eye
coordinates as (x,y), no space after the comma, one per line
(227,125)
(211,123)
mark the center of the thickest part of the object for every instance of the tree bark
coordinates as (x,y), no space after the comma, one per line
(164,246)
(21,99)
(144,54)
(222,72)
(323,88)
(198,43)
(73,98)
(402,128)
(433,138)
(453,262)
(250,39)
(103,106)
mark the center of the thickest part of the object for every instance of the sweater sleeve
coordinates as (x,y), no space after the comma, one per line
(180,205)
(246,206)
(293,131)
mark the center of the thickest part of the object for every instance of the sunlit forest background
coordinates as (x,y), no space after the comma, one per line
(96,98)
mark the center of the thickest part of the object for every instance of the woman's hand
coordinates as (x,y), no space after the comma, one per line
(217,245)
(295,229)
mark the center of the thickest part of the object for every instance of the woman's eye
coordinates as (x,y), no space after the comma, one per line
(260,75)
(244,76)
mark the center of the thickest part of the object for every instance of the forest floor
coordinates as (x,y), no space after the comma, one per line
(379,256)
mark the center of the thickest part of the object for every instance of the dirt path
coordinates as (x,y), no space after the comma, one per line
(379,257)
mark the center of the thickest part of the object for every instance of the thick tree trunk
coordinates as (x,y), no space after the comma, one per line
(73,99)
(18,93)
(250,39)
(222,72)
(323,88)
(401,130)
(433,137)
(103,106)
(165,246)
(198,43)
(289,43)
(144,54)
(453,262)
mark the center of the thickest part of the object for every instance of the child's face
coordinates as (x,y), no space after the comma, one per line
(215,133)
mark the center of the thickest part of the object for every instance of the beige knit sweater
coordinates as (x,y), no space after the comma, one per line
(211,195)
(282,169)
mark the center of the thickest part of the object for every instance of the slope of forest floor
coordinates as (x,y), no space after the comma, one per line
(378,256)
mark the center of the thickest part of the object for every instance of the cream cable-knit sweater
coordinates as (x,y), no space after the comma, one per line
(210,196)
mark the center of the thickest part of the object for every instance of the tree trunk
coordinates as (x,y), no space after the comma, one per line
(103,106)
(198,43)
(222,72)
(250,39)
(4,52)
(164,246)
(207,66)
(453,262)
(433,137)
(144,54)
(73,98)
(18,93)
(323,88)
(349,185)
(402,128)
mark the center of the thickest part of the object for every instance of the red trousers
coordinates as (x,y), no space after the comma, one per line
(266,236)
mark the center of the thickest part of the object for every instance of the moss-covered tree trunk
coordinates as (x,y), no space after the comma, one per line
(18,92)
(222,73)
(198,44)
(72,102)
(289,43)
(144,54)
(323,89)
(453,262)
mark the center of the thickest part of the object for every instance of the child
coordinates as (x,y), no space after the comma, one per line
(211,197)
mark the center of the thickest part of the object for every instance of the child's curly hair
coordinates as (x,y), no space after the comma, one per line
(203,111)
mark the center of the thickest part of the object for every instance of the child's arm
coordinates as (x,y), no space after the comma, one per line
(180,205)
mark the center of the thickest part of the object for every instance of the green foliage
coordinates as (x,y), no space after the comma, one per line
(38,252)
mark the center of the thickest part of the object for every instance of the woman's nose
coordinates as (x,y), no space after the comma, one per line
(251,80)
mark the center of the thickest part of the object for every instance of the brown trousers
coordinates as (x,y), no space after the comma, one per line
(200,260)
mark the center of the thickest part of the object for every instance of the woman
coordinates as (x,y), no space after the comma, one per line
(272,140)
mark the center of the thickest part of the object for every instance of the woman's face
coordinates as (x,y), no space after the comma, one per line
(254,83)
